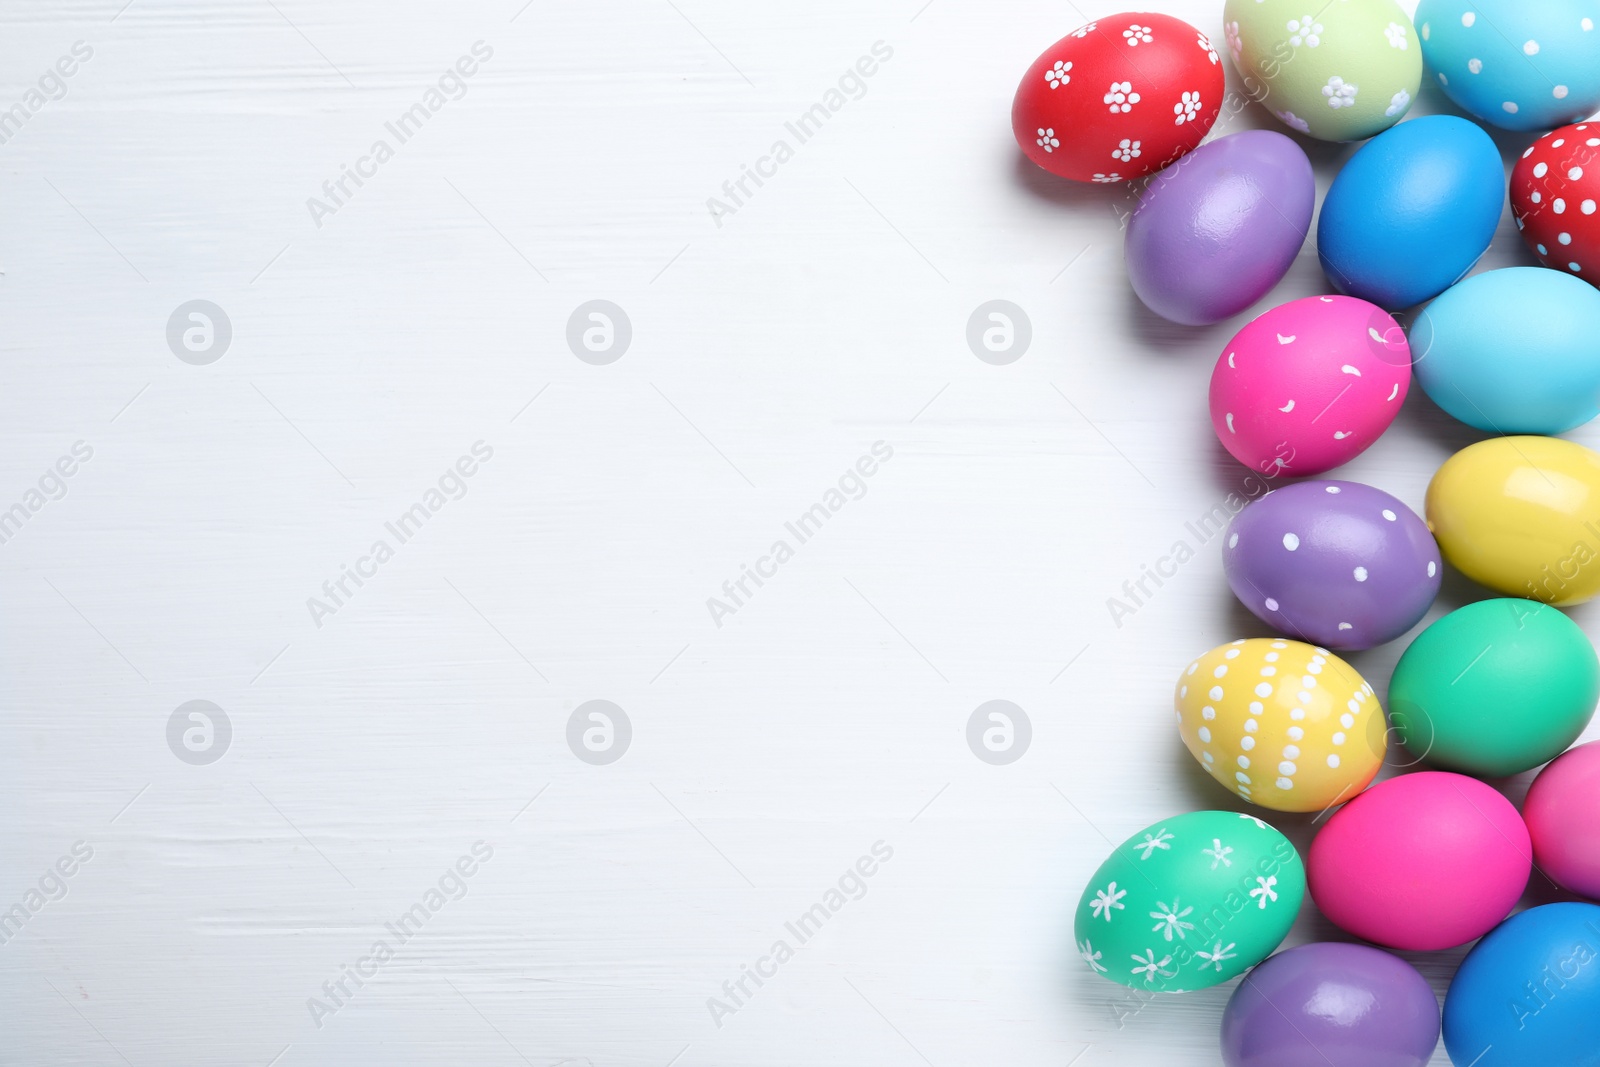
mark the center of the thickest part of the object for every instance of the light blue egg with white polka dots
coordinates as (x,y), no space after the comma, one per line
(1516,64)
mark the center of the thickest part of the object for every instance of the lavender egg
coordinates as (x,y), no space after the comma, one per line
(1338,564)
(1218,229)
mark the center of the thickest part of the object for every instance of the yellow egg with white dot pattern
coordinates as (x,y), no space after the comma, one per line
(1281,723)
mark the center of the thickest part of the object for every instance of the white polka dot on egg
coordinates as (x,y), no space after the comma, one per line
(1389,515)
(1291,541)
(1541,169)
(1530,48)
(1361,574)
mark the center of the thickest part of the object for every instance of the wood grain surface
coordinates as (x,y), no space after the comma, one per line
(389,758)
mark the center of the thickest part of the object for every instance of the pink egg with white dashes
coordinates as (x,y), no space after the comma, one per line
(1309,385)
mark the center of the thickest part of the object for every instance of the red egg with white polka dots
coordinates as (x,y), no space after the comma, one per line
(1555,191)
(1120,98)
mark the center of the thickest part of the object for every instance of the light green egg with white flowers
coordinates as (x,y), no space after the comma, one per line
(1340,71)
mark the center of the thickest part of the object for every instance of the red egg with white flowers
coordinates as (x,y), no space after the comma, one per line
(1555,193)
(1118,99)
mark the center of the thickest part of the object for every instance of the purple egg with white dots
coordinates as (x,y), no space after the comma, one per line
(1338,564)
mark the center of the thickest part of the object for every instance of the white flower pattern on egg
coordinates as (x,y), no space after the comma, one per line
(1294,121)
(1058,75)
(1340,93)
(1121,97)
(1126,151)
(1186,108)
(1305,30)
(1396,34)
(1136,35)
(1047,140)
(1087,953)
(1398,103)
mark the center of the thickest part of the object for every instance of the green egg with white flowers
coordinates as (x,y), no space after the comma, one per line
(1190,902)
(1339,72)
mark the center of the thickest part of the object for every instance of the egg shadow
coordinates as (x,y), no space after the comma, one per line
(1115,199)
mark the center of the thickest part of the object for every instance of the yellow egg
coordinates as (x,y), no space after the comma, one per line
(1521,515)
(1281,723)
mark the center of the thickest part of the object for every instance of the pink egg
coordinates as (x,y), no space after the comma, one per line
(1563,816)
(1309,385)
(1424,861)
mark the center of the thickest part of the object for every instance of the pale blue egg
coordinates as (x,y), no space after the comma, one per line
(1516,64)
(1513,351)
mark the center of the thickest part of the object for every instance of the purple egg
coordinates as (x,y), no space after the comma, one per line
(1338,564)
(1331,1005)
(1216,230)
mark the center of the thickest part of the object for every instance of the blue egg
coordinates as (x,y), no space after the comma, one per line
(1516,64)
(1513,351)
(1529,992)
(1411,211)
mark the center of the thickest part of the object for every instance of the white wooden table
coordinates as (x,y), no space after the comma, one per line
(385,758)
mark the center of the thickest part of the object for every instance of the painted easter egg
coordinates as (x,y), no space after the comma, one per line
(1213,233)
(1555,190)
(1424,861)
(1281,723)
(1119,98)
(1344,73)
(1309,385)
(1495,688)
(1512,351)
(1563,816)
(1515,64)
(1331,1005)
(1529,993)
(1339,564)
(1521,515)
(1412,211)
(1190,902)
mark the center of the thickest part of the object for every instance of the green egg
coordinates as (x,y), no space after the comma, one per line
(1495,688)
(1338,71)
(1190,902)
